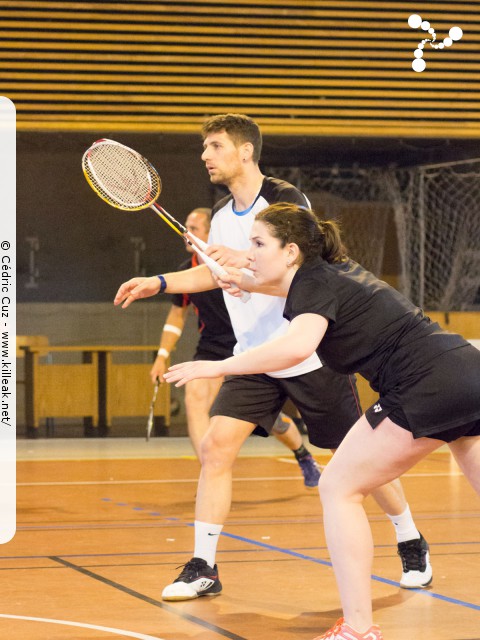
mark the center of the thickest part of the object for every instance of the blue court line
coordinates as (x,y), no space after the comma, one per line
(292,553)
(326,563)
(134,508)
(221,552)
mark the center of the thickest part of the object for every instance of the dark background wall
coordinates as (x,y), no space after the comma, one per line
(85,248)
(73,247)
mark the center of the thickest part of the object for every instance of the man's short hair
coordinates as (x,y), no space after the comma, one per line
(239,127)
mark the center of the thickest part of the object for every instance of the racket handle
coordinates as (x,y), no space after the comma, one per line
(220,271)
(200,243)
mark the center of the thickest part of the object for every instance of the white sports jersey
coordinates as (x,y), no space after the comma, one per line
(261,318)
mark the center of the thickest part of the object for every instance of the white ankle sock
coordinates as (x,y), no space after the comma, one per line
(206,539)
(404,526)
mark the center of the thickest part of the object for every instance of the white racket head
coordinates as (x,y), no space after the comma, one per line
(120,175)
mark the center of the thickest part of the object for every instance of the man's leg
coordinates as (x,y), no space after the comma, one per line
(412,547)
(286,431)
(199,396)
(218,452)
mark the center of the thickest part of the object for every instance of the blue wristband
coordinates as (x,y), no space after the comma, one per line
(163,284)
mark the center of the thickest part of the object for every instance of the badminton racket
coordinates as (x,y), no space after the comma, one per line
(126,180)
(152,408)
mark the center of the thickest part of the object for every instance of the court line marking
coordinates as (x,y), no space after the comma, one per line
(437,545)
(221,551)
(148,600)
(103,451)
(190,480)
(84,625)
(327,563)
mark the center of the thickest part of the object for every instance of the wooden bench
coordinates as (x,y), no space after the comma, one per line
(95,387)
(38,341)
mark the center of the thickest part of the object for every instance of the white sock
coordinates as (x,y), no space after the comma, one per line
(404,526)
(206,539)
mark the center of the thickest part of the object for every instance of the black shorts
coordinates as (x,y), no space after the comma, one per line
(441,400)
(328,402)
(397,416)
(211,352)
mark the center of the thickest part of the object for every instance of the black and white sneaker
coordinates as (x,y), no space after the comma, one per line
(417,570)
(196,579)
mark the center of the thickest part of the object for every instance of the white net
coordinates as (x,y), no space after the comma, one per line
(434,211)
(357,199)
(437,216)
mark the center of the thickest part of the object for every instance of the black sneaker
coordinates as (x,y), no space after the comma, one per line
(417,570)
(310,470)
(196,579)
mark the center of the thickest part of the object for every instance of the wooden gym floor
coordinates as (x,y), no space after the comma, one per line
(104,524)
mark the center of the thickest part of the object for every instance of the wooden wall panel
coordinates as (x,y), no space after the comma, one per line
(298,67)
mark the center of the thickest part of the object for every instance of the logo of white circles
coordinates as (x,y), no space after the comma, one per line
(415,22)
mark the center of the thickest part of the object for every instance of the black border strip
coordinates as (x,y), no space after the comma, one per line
(152,601)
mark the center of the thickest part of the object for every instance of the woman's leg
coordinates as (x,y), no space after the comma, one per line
(466,452)
(367,458)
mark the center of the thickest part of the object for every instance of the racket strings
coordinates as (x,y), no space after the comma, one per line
(121,177)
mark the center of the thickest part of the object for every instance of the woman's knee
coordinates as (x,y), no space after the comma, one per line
(326,486)
(335,487)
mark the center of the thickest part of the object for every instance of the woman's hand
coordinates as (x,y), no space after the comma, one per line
(186,371)
(235,281)
(135,289)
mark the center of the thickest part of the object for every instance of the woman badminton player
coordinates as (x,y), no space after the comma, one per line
(428,381)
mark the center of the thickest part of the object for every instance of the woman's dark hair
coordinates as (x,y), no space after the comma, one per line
(239,127)
(314,237)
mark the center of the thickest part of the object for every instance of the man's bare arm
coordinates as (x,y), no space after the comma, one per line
(187,281)
(227,257)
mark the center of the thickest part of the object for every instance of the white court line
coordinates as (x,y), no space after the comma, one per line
(195,480)
(84,625)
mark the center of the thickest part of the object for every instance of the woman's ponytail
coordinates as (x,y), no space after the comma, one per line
(293,223)
(333,249)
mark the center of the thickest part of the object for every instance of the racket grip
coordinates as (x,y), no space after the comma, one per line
(245,297)
(200,243)
(220,271)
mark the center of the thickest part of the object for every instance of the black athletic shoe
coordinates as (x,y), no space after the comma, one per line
(196,579)
(310,470)
(417,570)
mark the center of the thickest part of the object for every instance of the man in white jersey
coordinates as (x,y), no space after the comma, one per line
(327,401)
(216,342)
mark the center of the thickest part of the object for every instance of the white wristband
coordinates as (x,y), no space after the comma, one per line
(163,352)
(172,329)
